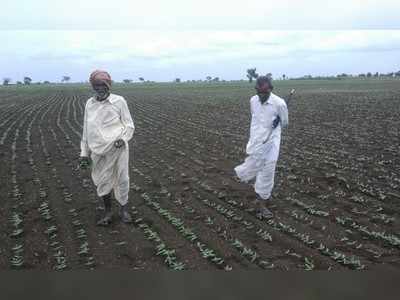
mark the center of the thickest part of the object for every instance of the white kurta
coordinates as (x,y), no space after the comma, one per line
(104,123)
(262,158)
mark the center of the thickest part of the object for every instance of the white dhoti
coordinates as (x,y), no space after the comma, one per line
(261,166)
(110,172)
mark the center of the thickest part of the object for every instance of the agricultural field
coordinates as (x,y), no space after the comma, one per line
(336,199)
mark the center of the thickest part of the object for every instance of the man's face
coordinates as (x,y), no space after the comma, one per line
(263,91)
(101,91)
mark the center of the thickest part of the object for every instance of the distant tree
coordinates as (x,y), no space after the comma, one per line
(65,79)
(343,75)
(216,79)
(397,74)
(6,81)
(362,75)
(19,82)
(284,76)
(27,80)
(141,79)
(369,74)
(127,81)
(376,74)
(391,74)
(251,73)
(46,82)
(177,80)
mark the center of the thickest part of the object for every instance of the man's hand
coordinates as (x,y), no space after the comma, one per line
(84,162)
(276,122)
(119,143)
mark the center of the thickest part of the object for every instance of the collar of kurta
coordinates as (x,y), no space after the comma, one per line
(109,99)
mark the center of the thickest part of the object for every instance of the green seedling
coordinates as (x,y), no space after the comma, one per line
(17,233)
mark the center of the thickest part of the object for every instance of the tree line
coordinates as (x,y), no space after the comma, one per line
(251,75)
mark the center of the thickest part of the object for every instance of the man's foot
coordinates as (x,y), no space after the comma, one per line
(264,213)
(262,208)
(237,179)
(256,202)
(125,215)
(106,220)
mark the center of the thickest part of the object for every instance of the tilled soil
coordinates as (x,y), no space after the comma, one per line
(336,198)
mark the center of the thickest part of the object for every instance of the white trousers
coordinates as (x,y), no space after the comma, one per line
(262,167)
(111,172)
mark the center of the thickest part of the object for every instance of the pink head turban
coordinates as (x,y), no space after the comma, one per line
(100,76)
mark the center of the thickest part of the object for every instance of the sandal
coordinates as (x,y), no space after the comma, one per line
(237,179)
(264,213)
(105,221)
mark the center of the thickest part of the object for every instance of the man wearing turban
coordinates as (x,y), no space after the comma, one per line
(107,128)
(269,115)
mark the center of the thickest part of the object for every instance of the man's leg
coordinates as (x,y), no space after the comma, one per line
(121,188)
(263,187)
(107,218)
(100,175)
(249,168)
(125,215)
(123,201)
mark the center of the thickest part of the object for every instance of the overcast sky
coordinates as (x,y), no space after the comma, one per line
(161,40)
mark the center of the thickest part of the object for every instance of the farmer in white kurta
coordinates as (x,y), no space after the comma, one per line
(268,115)
(107,128)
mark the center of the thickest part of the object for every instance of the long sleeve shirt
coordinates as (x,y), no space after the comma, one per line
(262,117)
(104,123)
